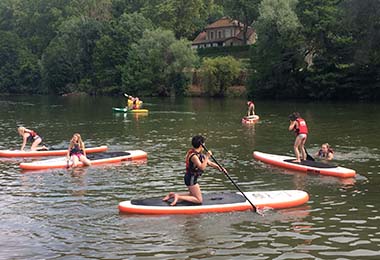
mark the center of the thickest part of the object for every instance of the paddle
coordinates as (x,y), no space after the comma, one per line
(228,176)
(308,156)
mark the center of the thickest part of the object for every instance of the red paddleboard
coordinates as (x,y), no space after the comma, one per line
(304,166)
(18,153)
(96,159)
(217,202)
(250,119)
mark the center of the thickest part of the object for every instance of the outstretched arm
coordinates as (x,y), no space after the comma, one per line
(24,138)
(214,165)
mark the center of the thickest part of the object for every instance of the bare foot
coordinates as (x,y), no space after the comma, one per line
(170,195)
(174,200)
(297,161)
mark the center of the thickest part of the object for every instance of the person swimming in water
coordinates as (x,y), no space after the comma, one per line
(326,152)
(196,163)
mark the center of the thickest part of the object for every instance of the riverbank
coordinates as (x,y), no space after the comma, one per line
(233,91)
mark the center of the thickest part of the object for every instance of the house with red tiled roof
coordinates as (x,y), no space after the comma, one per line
(224,32)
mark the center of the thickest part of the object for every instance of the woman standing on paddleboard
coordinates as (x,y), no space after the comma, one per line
(32,137)
(196,163)
(298,125)
(76,152)
(251,108)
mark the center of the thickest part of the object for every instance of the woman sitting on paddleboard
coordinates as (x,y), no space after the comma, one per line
(32,137)
(298,125)
(196,163)
(76,152)
(325,152)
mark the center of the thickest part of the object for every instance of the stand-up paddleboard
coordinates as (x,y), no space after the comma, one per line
(304,166)
(125,110)
(96,159)
(50,152)
(250,119)
(217,202)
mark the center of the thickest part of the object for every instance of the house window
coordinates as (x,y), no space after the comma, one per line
(211,35)
(228,33)
(220,34)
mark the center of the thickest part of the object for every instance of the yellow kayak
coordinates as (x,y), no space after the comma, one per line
(125,110)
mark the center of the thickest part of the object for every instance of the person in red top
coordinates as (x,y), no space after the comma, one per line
(299,126)
(196,163)
(251,108)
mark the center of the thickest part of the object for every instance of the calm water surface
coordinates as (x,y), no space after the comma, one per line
(72,214)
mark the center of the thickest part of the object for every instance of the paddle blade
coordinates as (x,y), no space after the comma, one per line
(308,156)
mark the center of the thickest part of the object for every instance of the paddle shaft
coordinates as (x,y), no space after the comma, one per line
(228,176)
(308,156)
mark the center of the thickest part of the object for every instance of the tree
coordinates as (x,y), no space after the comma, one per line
(19,68)
(34,21)
(156,64)
(70,54)
(277,58)
(328,47)
(246,11)
(218,74)
(111,51)
(183,17)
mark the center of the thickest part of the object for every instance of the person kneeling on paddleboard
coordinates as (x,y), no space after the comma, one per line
(325,152)
(298,125)
(32,137)
(76,152)
(196,163)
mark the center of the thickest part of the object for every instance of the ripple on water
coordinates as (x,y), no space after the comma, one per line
(73,214)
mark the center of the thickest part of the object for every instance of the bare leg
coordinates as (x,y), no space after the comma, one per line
(167,197)
(35,144)
(302,146)
(296,146)
(75,161)
(194,196)
(85,160)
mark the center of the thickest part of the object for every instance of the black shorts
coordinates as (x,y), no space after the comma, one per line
(190,180)
(31,139)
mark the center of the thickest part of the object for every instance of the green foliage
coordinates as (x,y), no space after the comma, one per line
(69,57)
(218,74)
(326,49)
(183,17)
(157,63)
(277,57)
(111,51)
(19,68)
(238,52)
(246,11)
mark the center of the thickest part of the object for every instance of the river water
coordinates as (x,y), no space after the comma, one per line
(73,214)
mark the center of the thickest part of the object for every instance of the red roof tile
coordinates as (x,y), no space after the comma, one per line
(223,22)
